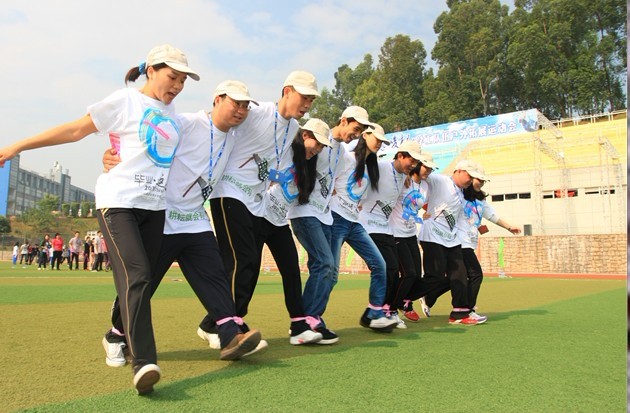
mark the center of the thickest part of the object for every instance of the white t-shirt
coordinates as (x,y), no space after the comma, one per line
(407,213)
(190,177)
(348,190)
(329,163)
(149,135)
(377,206)
(473,212)
(281,194)
(255,154)
(446,209)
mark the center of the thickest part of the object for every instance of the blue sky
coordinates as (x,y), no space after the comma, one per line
(60,57)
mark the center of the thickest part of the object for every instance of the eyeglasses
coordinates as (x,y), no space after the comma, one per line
(238,105)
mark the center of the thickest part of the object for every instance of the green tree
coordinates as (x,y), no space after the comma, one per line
(470,52)
(325,108)
(393,95)
(5,225)
(41,218)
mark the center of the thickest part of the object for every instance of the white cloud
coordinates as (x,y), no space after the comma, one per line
(63,56)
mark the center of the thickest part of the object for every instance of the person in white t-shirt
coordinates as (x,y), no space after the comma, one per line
(141,124)
(377,207)
(75,245)
(360,171)
(207,140)
(16,252)
(443,263)
(311,222)
(236,202)
(476,208)
(404,220)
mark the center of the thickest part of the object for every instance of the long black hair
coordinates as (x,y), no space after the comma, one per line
(370,161)
(305,170)
(471,195)
(134,73)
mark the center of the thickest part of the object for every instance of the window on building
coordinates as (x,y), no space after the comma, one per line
(497,198)
(511,196)
(525,195)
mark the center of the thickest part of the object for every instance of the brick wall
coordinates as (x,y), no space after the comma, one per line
(575,254)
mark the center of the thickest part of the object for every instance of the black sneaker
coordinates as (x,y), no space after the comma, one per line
(328,337)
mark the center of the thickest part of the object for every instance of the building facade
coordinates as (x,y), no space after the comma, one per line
(21,189)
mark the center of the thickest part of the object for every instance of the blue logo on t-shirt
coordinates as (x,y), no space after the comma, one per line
(357,189)
(156,130)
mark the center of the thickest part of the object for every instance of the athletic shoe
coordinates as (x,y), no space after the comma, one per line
(411,315)
(213,339)
(425,308)
(328,336)
(146,377)
(469,321)
(306,337)
(261,347)
(383,324)
(399,322)
(240,345)
(480,318)
(114,353)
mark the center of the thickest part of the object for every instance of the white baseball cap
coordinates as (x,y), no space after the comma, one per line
(320,129)
(235,89)
(473,168)
(359,114)
(304,82)
(377,130)
(412,148)
(172,57)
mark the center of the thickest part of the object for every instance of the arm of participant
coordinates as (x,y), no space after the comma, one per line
(66,133)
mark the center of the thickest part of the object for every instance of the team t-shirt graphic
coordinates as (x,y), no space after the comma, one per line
(355,188)
(411,204)
(473,213)
(155,129)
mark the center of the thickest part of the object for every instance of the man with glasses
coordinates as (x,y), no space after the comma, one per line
(237,200)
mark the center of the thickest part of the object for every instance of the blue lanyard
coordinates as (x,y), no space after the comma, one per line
(213,163)
(275,138)
(331,173)
(396,179)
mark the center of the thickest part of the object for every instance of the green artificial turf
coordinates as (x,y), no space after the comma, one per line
(549,346)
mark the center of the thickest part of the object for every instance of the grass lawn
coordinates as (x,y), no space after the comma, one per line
(550,345)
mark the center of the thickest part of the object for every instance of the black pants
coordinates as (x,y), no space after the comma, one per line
(410,267)
(241,236)
(97,265)
(200,261)
(74,257)
(56,259)
(134,237)
(386,245)
(475,275)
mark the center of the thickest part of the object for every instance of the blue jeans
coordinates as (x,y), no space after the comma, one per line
(355,235)
(315,238)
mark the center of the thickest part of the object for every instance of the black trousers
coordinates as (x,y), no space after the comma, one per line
(74,257)
(56,259)
(386,244)
(475,275)
(444,269)
(134,238)
(241,237)
(410,268)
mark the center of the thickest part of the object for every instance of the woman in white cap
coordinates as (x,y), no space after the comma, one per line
(404,220)
(130,198)
(188,236)
(297,179)
(476,208)
(360,171)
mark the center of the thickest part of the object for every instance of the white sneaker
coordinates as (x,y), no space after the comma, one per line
(213,339)
(480,318)
(383,323)
(114,354)
(425,308)
(399,322)
(262,346)
(146,377)
(307,337)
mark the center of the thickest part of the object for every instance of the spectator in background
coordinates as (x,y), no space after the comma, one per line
(87,248)
(43,252)
(57,248)
(75,247)
(24,253)
(98,252)
(16,252)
